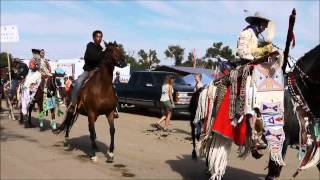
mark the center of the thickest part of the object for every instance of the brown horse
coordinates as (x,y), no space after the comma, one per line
(98,97)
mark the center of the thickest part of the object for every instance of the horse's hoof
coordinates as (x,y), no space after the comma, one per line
(12,118)
(110,157)
(41,124)
(94,159)
(53,125)
(66,143)
(194,155)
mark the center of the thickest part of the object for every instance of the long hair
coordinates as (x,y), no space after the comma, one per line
(168,80)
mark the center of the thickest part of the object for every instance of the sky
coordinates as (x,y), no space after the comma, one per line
(63,28)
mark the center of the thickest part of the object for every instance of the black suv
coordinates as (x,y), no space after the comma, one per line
(144,90)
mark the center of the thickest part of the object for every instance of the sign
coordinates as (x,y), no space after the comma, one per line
(124,73)
(9,34)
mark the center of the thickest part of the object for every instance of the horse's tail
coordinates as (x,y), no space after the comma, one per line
(68,122)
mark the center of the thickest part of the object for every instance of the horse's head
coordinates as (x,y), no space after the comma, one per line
(114,55)
(58,77)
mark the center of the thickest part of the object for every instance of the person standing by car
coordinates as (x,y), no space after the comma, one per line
(166,101)
(117,79)
(197,78)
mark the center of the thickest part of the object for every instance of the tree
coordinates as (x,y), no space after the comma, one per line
(149,59)
(176,52)
(217,49)
(143,57)
(189,61)
(130,59)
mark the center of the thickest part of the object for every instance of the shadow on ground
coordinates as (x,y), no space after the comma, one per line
(83,144)
(183,164)
(154,113)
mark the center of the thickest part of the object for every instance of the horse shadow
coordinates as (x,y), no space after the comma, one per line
(36,124)
(83,143)
(191,169)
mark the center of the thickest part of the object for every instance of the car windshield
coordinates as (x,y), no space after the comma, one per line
(178,80)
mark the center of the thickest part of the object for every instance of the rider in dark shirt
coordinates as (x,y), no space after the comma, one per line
(92,56)
(92,60)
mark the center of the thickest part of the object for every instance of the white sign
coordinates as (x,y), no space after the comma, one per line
(124,73)
(9,33)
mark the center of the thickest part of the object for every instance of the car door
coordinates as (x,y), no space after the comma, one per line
(145,90)
(129,92)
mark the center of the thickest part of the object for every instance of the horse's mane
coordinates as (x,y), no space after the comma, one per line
(114,43)
(313,54)
(307,78)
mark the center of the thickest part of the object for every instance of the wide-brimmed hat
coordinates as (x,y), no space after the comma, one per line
(258,17)
(35,51)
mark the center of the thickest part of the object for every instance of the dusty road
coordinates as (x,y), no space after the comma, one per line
(139,153)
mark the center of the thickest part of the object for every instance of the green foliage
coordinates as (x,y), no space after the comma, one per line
(176,52)
(4,59)
(147,60)
(217,49)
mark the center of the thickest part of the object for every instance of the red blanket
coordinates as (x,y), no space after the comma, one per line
(222,124)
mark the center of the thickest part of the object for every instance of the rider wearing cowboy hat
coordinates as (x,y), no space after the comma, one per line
(247,45)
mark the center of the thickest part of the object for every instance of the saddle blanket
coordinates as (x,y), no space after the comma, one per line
(29,89)
(222,124)
(32,78)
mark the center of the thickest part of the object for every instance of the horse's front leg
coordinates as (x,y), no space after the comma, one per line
(92,119)
(21,120)
(41,118)
(53,123)
(28,123)
(193,135)
(110,155)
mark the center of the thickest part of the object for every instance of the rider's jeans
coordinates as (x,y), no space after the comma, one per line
(77,86)
(13,87)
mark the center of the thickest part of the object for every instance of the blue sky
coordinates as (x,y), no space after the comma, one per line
(63,28)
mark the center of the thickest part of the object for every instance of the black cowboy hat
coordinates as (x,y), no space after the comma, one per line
(258,17)
(35,51)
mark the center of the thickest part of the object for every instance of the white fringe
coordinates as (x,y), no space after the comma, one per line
(218,156)
(277,158)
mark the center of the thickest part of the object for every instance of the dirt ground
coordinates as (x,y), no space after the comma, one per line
(140,153)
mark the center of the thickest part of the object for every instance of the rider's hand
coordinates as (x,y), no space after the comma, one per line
(268,48)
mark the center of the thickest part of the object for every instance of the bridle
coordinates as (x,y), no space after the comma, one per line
(295,91)
(303,76)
